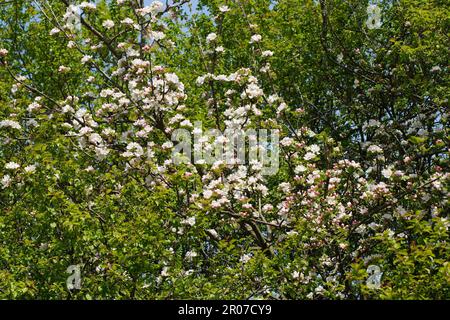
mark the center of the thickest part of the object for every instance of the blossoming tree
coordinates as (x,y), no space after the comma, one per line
(93,93)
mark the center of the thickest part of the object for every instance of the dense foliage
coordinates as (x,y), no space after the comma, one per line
(91,92)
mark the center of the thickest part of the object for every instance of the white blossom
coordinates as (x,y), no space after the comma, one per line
(12,165)
(211,37)
(108,24)
(308,156)
(30,169)
(6,181)
(387,173)
(255,38)
(11,124)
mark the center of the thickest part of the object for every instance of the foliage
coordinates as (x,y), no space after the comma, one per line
(88,107)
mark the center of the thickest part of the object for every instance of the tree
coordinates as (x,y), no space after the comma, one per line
(94,95)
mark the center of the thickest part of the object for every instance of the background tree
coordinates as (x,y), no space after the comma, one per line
(91,94)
